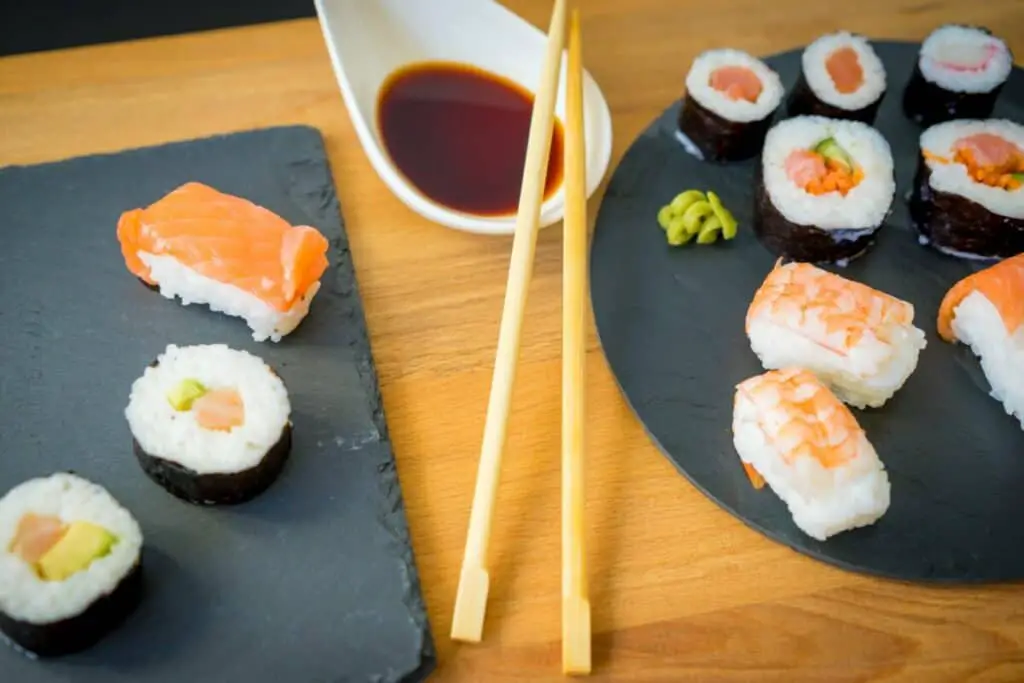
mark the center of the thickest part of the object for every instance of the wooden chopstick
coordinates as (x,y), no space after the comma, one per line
(575,603)
(471,596)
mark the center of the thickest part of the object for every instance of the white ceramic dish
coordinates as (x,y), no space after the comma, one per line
(370,39)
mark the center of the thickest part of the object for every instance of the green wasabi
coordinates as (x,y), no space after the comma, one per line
(694,214)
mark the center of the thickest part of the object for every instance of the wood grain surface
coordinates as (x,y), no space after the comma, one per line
(680,590)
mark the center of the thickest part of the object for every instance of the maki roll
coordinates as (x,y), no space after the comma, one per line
(966,199)
(210,424)
(70,565)
(859,341)
(985,311)
(841,77)
(823,189)
(730,99)
(790,431)
(959,73)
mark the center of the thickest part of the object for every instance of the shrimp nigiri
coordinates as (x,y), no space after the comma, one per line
(861,342)
(985,311)
(792,432)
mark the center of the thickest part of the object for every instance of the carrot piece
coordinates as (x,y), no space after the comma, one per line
(755,477)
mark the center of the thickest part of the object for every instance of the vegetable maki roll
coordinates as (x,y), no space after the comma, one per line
(967,199)
(841,77)
(823,189)
(730,99)
(70,565)
(858,340)
(985,311)
(210,424)
(959,73)
(790,431)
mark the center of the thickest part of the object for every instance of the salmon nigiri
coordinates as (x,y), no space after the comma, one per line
(985,311)
(208,247)
(792,432)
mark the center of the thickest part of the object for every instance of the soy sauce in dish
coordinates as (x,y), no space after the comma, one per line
(459,135)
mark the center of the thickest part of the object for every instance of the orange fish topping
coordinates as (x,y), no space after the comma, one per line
(1002,284)
(843,67)
(737,82)
(802,417)
(832,311)
(228,239)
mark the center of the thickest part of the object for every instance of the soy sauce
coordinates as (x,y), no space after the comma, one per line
(459,135)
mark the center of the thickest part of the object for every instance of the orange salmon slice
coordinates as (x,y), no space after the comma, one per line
(227,239)
(992,152)
(35,535)
(737,82)
(1002,284)
(220,410)
(843,67)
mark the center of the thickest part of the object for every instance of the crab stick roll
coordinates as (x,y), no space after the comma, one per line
(823,189)
(730,99)
(210,424)
(985,311)
(70,565)
(841,77)
(959,74)
(210,248)
(967,198)
(861,342)
(791,432)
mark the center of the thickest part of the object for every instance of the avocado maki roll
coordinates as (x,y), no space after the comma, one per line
(210,424)
(70,565)
(823,189)
(967,199)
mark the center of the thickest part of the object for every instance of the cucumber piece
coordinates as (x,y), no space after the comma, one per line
(830,149)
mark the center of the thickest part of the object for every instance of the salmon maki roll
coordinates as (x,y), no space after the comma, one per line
(967,199)
(841,77)
(70,565)
(791,432)
(207,247)
(210,424)
(731,97)
(858,340)
(985,311)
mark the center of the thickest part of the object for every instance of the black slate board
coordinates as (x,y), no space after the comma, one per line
(313,581)
(671,325)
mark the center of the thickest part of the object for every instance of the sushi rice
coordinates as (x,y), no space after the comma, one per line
(814,59)
(172,435)
(939,140)
(698,86)
(25,596)
(863,207)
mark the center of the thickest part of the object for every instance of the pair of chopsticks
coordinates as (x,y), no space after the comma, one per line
(471,598)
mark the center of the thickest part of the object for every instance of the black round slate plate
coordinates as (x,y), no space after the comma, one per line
(670,321)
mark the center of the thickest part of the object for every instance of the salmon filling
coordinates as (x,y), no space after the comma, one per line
(216,409)
(737,83)
(989,159)
(823,169)
(843,67)
(55,550)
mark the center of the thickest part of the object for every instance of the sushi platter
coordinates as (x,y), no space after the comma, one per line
(200,483)
(807,278)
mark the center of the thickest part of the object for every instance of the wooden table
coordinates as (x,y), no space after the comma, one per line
(681,591)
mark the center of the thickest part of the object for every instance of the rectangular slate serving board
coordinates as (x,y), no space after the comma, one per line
(315,580)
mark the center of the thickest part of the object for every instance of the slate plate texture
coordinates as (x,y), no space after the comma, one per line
(671,325)
(315,580)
